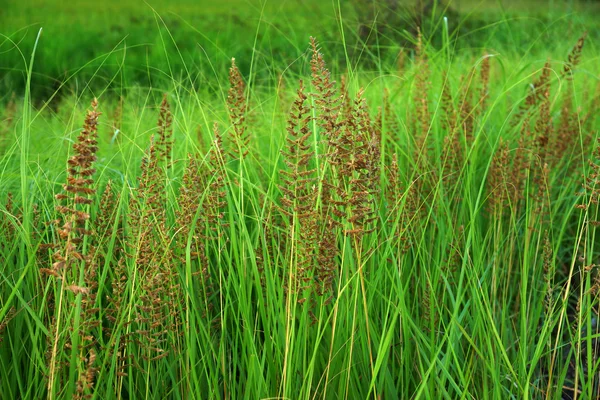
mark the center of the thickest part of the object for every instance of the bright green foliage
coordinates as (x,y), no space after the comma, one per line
(425,230)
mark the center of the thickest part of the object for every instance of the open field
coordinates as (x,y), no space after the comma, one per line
(365,203)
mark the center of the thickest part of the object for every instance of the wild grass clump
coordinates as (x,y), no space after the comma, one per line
(429,237)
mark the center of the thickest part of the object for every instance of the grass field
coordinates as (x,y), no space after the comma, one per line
(299,200)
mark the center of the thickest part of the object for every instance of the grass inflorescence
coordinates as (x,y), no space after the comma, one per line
(428,233)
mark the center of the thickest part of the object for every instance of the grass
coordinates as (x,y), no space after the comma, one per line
(346,221)
(125,43)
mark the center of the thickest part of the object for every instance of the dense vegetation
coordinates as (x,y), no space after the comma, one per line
(404,212)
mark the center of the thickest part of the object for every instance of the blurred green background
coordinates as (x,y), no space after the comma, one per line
(117,44)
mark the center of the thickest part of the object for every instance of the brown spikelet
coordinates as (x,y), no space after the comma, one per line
(327,101)
(497,181)
(421,96)
(118,286)
(200,218)
(190,196)
(85,383)
(159,307)
(521,163)
(236,102)
(539,86)
(574,57)
(151,319)
(72,256)
(484,82)
(203,192)
(535,94)
(328,250)
(549,272)
(150,195)
(113,315)
(356,159)
(567,130)
(541,181)
(466,108)
(146,209)
(544,128)
(79,188)
(346,105)
(50,356)
(192,222)
(430,312)
(570,120)
(164,143)
(366,185)
(117,120)
(299,201)
(106,212)
(215,201)
(453,157)
(156,312)
(327,104)
(449,117)
(104,223)
(217,191)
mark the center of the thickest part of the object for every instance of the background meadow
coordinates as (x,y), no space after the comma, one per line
(258,199)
